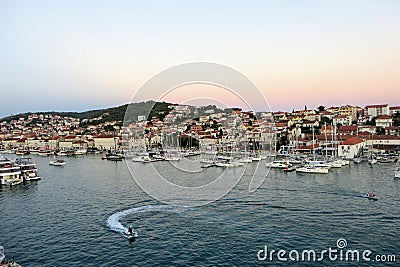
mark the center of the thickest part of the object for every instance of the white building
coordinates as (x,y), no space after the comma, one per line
(344,120)
(384,121)
(105,142)
(350,147)
(377,110)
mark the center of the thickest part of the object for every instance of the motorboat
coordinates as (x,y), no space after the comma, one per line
(61,153)
(357,160)
(312,169)
(143,159)
(256,158)
(81,151)
(278,164)
(371,196)
(112,157)
(57,162)
(372,161)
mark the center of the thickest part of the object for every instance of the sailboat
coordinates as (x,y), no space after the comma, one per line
(372,160)
(57,162)
(113,156)
(312,168)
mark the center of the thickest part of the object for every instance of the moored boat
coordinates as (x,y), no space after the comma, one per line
(44,153)
(112,156)
(10,172)
(81,151)
(28,168)
(312,169)
(280,164)
(143,159)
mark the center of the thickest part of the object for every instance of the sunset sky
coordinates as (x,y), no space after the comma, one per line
(80,55)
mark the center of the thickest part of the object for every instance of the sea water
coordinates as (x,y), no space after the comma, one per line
(77,216)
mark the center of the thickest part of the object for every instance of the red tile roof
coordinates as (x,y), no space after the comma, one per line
(352,141)
(348,128)
(383,117)
(376,106)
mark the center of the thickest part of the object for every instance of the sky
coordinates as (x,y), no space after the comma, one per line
(80,55)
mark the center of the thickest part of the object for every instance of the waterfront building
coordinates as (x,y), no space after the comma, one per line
(351,147)
(105,142)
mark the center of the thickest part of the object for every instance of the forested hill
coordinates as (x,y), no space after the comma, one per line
(114,113)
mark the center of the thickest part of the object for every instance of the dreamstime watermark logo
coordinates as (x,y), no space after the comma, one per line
(153,181)
(338,253)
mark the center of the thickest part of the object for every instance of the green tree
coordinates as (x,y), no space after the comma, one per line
(380,130)
(109,128)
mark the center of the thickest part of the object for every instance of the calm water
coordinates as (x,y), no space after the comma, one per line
(72,217)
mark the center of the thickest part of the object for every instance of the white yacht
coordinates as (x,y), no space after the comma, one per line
(28,169)
(81,151)
(256,157)
(281,164)
(61,153)
(318,163)
(10,172)
(312,169)
(57,162)
(143,159)
(224,164)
